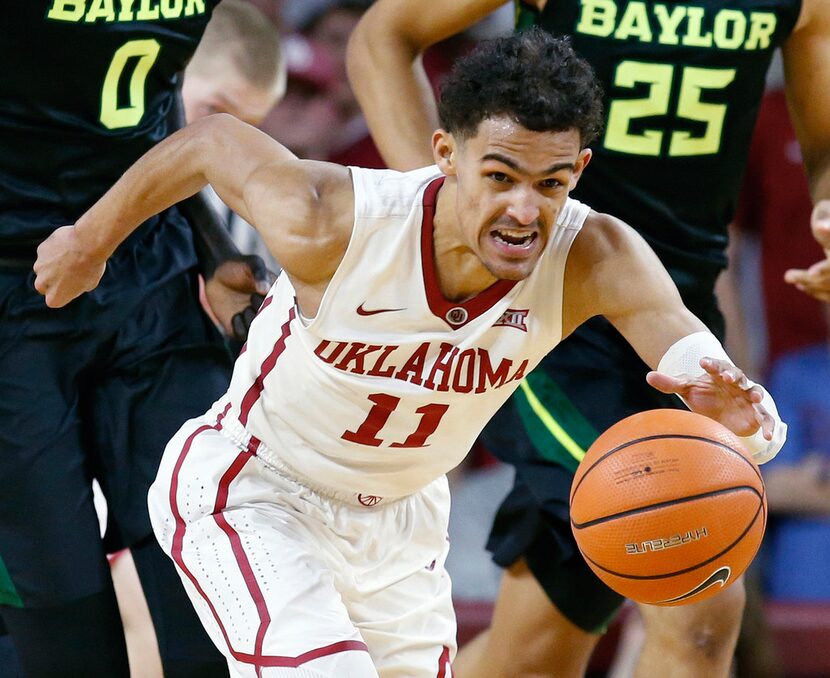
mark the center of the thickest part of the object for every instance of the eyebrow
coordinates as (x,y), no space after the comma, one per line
(498,157)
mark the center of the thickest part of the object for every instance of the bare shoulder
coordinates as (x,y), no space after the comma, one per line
(304,210)
(610,269)
(602,240)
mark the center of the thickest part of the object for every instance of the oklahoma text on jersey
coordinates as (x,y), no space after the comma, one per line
(458,371)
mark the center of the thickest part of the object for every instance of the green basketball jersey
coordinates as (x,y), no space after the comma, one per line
(683,82)
(87,87)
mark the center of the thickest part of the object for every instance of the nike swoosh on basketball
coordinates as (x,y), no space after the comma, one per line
(364,311)
(720,576)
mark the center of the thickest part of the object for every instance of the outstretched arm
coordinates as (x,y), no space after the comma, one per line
(386,74)
(302,209)
(611,271)
(806,56)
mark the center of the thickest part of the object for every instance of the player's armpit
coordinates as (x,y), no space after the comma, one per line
(611,271)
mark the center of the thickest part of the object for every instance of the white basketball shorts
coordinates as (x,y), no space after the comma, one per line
(293,581)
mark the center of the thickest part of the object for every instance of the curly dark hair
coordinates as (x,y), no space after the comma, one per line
(532,77)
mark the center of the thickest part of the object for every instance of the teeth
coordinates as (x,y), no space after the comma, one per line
(514,238)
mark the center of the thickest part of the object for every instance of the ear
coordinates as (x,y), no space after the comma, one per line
(581,163)
(443,151)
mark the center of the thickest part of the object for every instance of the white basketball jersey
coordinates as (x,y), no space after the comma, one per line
(390,384)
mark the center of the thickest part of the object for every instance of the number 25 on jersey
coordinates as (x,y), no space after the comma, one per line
(659,78)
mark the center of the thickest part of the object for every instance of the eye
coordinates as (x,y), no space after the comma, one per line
(550,183)
(499,177)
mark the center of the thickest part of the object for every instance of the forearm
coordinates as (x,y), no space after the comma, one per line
(806,55)
(392,88)
(168,173)
(388,79)
(219,150)
(819,175)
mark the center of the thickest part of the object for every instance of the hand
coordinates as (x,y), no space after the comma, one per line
(815,280)
(64,269)
(721,393)
(235,292)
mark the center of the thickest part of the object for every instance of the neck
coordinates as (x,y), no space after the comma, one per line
(461,275)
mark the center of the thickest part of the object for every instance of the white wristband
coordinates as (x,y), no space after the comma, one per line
(683,357)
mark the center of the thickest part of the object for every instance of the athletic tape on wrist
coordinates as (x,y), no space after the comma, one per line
(683,357)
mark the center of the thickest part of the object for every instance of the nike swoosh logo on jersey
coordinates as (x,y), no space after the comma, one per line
(363,311)
(720,576)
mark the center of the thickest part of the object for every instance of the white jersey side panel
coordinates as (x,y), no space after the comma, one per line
(389,385)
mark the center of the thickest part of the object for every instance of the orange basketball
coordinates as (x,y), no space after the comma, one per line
(667,507)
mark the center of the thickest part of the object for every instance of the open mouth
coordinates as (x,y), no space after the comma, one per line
(514,238)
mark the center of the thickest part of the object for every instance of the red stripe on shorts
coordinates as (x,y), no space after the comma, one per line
(267,365)
(236,542)
(181,526)
(444,670)
(258,660)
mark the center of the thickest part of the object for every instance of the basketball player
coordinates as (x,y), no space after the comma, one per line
(682,83)
(307,511)
(97,389)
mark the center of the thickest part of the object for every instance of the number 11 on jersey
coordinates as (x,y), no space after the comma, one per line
(383,405)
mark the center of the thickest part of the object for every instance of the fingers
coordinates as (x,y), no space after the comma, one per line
(40,282)
(720,371)
(53,300)
(666,384)
(814,281)
(820,222)
(256,265)
(726,371)
(247,274)
(50,295)
(64,269)
(241,323)
(733,376)
(256,302)
(263,276)
(264,286)
(766,420)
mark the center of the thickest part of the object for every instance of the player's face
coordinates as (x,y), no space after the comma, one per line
(511,185)
(228,92)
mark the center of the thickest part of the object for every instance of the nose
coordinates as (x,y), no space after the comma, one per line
(524,207)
